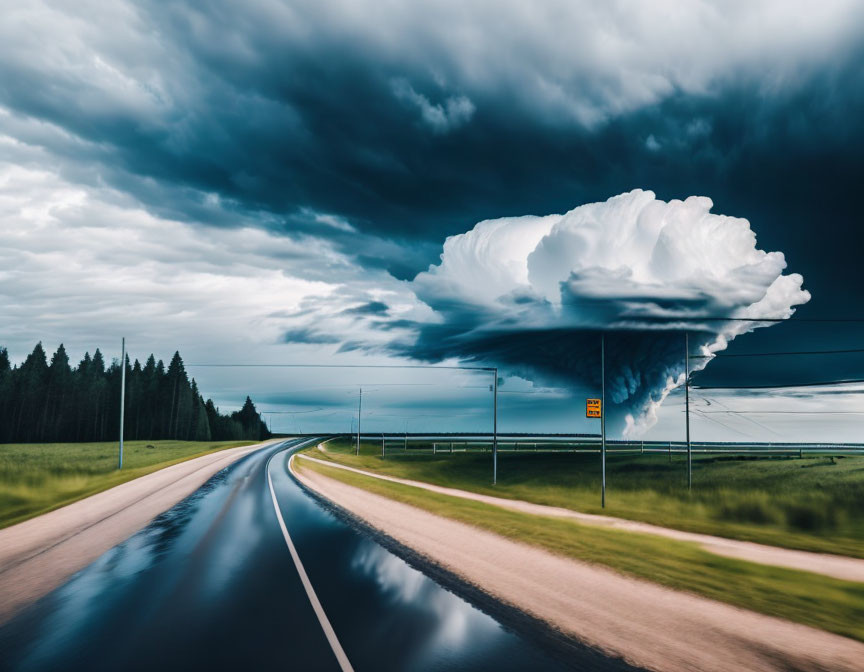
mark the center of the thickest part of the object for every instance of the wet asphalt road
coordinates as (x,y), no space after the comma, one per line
(210,584)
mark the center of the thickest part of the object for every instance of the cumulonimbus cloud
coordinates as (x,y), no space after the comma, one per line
(533,294)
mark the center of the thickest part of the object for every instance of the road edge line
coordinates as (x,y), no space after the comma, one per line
(329,632)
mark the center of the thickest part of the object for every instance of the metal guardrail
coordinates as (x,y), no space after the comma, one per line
(418,443)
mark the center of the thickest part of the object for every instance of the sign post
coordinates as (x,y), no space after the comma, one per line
(594,409)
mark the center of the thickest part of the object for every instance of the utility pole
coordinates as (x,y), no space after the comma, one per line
(122,396)
(687,408)
(382,445)
(495,427)
(603,420)
(359,408)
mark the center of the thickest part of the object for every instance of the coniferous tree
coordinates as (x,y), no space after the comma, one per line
(29,394)
(250,421)
(5,395)
(134,400)
(59,387)
(42,402)
(98,387)
(83,403)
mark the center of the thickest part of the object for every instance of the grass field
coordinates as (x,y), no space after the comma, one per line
(812,599)
(812,504)
(36,478)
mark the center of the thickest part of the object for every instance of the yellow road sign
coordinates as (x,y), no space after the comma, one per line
(593,408)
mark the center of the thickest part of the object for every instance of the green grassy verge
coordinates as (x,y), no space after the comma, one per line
(811,599)
(814,504)
(37,478)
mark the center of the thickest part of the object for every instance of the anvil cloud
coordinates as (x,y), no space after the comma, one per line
(531,293)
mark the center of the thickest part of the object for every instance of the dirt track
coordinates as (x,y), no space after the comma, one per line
(648,625)
(836,566)
(39,554)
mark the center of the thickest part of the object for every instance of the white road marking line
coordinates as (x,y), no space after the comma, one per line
(344,663)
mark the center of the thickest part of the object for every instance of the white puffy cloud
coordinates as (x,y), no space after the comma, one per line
(85,266)
(521,290)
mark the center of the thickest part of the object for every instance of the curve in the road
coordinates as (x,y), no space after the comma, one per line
(209,584)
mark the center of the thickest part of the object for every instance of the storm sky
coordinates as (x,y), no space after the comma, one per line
(270,181)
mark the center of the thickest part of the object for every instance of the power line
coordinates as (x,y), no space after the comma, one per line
(713,318)
(744,417)
(348,366)
(778,354)
(788,412)
(827,383)
(425,415)
(722,424)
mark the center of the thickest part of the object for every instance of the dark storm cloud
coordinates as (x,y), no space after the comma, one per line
(384,130)
(278,109)
(305,335)
(638,364)
(370,308)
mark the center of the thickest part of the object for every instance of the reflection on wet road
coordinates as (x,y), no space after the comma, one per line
(210,584)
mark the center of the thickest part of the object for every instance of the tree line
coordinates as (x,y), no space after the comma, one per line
(42,402)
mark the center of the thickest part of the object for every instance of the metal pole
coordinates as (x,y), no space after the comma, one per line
(687,408)
(122,397)
(603,419)
(359,408)
(382,445)
(495,427)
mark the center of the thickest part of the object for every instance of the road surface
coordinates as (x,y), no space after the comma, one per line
(42,553)
(252,572)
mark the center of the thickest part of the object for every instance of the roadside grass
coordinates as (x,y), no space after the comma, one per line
(37,478)
(812,599)
(814,504)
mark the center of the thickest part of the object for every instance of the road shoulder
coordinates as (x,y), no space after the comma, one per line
(835,566)
(647,624)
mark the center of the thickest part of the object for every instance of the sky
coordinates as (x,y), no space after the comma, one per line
(447,183)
